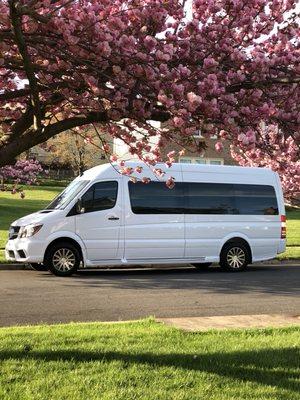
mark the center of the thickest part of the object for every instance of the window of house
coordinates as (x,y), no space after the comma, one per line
(185,160)
(216,162)
(198,134)
(201,160)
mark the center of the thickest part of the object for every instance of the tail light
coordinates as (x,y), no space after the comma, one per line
(283,226)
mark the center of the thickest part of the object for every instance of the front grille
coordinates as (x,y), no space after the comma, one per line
(13,232)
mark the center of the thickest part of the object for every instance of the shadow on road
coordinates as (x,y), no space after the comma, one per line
(277,280)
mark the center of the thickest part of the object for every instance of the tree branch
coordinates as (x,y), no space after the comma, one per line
(254,85)
(16,20)
(32,138)
(15,94)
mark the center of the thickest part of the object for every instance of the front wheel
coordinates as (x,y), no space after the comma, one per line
(63,259)
(234,257)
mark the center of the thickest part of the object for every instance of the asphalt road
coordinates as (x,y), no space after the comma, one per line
(28,297)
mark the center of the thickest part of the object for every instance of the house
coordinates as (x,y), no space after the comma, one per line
(95,156)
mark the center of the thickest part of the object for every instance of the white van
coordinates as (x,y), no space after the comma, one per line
(230,215)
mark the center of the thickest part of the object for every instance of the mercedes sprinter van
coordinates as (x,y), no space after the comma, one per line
(229,215)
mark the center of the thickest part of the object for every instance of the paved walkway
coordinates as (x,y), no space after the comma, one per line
(233,321)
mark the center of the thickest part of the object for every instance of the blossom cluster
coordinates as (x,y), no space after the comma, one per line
(277,153)
(22,172)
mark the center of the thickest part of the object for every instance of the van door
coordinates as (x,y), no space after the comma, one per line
(99,223)
(154,221)
(208,219)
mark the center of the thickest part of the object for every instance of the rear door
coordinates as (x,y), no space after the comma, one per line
(209,209)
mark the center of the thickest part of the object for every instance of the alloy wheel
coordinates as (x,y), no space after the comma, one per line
(236,257)
(63,259)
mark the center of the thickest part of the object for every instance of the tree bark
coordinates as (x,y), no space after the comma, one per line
(31,138)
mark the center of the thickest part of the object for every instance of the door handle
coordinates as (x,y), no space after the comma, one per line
(113,218)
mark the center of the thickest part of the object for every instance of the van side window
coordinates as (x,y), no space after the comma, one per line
(255,200)
(156,198)
(210,198)
(226,198)
(202,198)
(100,196)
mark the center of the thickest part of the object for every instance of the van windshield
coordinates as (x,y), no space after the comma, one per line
(64,198)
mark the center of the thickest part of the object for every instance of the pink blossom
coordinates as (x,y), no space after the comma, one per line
(171,154)
(209,62)
(193,98)
(113,158)
(150,42)
(170,182)
(219,146)
(126,171)
(159,172)
(178,122)
(105,147)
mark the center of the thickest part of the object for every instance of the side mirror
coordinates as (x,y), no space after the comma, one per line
(79,208)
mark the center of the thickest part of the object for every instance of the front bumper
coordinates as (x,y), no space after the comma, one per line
(25,251)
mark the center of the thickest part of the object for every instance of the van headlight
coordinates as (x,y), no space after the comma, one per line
(29,230)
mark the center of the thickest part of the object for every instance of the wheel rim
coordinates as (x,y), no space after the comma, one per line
(63,259)
(236,257)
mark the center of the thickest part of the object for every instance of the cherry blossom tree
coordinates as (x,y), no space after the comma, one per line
(121,64)
(22,172)
(278,153)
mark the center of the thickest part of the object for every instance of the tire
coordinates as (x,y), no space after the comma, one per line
(62,259)
(234,257)
(202,266)
(38,267)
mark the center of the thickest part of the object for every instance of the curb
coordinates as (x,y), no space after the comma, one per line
(271,263)
(14,267)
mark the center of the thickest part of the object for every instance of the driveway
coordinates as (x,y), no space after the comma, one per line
(30,297)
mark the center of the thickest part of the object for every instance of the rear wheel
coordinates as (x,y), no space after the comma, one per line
(63,259)
(202,266)
(234,257)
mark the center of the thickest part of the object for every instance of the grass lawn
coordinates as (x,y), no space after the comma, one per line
(147,360)
(12,207)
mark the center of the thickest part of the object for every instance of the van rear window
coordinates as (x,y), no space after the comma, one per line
(202,198)
(225,198)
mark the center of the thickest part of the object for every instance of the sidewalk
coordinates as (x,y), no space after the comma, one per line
(198,324)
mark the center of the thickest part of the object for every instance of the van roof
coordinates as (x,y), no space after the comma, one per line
(112,170)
